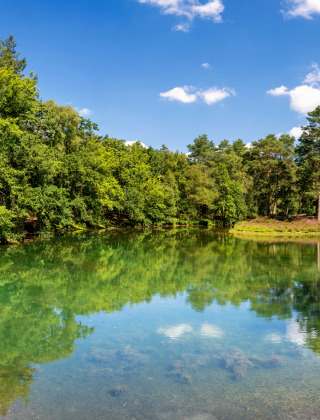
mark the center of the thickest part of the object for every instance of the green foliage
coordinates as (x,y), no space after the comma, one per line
(230,204)
(200,190)
(18,94)
(9,57)
(6,225)
(202,150)
(308,160)
(272,167)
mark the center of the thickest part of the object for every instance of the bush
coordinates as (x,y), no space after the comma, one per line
(6,225)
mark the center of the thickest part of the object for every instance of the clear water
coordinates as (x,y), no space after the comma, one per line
(166,324)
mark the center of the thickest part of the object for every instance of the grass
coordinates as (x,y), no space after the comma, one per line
(264,225)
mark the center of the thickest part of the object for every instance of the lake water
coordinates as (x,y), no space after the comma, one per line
(160,324)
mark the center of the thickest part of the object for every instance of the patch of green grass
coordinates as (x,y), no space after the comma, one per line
(267,225)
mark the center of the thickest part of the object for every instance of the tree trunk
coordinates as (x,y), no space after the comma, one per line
(275,208)
(318,215)
(269,205)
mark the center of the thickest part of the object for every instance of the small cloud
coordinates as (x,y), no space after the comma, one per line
(182,27)
(175,332)
(279,91)
(303,98)
(130,143)
(295,132)
(180,94)
(302,8)
(214,95)
(279,135)
(84,112)
(206,66)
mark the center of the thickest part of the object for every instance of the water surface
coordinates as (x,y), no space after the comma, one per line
(160,324)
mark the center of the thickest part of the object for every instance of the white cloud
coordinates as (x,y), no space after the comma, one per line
(130,143)
(313,78)
(182,27)
(206,66)
(302,8)
(213,95)
(189,9)
(295,132)
(84,112)
(212,9)
(180,94)
(279,91)
(303,98)
(189,94)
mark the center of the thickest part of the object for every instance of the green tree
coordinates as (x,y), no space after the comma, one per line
(308,160)
(202,150)
(230,204)
(272,168)
(9,57)
(201,191)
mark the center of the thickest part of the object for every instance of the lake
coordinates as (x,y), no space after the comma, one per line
(160,324)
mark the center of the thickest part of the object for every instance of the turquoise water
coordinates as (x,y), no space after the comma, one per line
(160,324)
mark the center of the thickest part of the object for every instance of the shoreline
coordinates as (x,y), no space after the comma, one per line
(297,226)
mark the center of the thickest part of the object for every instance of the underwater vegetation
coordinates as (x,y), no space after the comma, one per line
(238,363)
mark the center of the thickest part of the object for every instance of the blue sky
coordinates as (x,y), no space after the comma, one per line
(166,71)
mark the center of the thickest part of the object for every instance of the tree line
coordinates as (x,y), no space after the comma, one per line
(57,172)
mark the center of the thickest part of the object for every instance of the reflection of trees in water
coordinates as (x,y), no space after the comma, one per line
(14,382)
(45,284)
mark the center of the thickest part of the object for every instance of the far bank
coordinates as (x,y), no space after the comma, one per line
(297,225)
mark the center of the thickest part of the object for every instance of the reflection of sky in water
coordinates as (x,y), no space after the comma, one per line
(177,331)
(209,330)
(295,334)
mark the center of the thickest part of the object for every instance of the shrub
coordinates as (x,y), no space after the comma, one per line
(6,225)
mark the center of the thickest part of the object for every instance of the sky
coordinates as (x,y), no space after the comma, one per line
(167,71)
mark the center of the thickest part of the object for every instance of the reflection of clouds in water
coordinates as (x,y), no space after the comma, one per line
(273,338)
(176,331)
(209,330)
(206,331)
(295,334)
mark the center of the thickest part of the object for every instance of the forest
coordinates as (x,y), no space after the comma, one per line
(58,173)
